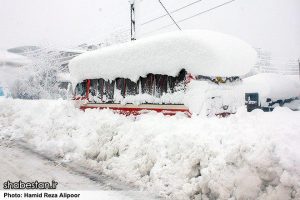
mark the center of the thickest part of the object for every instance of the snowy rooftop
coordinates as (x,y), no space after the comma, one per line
(200,52)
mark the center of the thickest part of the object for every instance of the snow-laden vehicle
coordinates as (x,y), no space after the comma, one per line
(267,91)
(185,71)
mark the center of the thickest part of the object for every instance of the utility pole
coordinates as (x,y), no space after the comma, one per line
(132,21)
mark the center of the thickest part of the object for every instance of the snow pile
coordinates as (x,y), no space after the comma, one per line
(274,86)
(245,156)
(200,52)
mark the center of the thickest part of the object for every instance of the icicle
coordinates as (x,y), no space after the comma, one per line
(154,86)
(140,86)
(115,92)
(168,86)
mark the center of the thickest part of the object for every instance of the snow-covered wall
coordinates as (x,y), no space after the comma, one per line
(200,52)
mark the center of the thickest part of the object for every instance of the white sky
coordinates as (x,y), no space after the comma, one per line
(273,25)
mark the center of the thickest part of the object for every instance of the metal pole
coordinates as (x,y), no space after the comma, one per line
(132,21)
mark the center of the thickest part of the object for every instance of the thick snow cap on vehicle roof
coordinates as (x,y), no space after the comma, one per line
(274,86)
(200,52)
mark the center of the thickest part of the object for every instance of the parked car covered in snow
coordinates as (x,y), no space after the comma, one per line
(173,72)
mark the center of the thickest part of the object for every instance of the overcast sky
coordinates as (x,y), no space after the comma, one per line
(273,25)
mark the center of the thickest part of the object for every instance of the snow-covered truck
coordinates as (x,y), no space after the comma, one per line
(194,71)
(268,90)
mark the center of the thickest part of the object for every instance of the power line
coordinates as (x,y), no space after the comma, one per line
(200,13)
(228,2)
(169,14)
(178,9)
(154,19)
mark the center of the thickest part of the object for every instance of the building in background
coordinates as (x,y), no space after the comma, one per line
(13,60)
(268,64)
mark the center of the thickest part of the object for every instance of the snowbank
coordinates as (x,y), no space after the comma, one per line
(274,86)
(245,156)
(200,52)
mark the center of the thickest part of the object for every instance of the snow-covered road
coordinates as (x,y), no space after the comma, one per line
(18,162)
(21,164)
(244,156)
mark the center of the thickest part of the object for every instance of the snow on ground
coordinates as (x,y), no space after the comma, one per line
(245,156)
(19,163)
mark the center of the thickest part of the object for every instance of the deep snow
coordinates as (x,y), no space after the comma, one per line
(200,52)
(21,163)
(245,156)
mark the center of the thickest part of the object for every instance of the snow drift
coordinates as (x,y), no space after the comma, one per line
(200,52)
(245,156)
